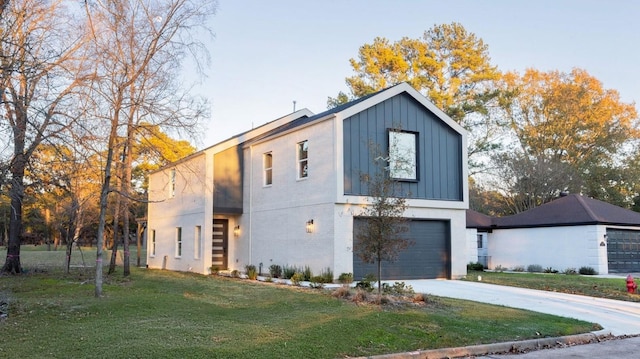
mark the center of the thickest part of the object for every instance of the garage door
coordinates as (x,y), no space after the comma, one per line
(623,250)
(429,257)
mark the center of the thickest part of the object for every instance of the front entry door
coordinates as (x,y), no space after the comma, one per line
(219,245)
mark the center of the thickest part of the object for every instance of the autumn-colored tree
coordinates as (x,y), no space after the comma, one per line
(449,65)
(568,120)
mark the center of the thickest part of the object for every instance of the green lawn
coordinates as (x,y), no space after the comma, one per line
(612,288)
(162,314)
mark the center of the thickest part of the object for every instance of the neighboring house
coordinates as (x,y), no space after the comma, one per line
(290,191)
(572,231)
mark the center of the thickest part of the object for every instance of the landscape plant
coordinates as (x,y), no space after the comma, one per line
(275,270)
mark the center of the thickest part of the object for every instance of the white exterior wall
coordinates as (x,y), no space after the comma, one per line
(186,210)
(472,245)
(556,247)
(274,219)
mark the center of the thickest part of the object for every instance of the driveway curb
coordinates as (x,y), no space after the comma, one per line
(499,348)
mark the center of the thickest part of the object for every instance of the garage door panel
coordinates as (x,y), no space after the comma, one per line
(623,250)
(427,257)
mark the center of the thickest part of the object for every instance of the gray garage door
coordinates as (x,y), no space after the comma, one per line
(429,257)
(623,250)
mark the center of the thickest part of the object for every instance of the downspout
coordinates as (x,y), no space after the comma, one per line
(250,203)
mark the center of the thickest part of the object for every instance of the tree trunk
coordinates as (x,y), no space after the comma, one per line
(16,192)
(116,231)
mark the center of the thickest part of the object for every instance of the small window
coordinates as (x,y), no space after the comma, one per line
(479,240)
(303,159)
(403,155)
(197,240)
(172,183)
(153,243)
(268,169)
(178,242)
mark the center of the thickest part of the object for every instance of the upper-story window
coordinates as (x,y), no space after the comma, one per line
(178,242)
(268,168)
(172,183)
(303,159)
(403,155)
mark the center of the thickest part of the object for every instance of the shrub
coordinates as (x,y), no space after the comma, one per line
(398,288)
(251,271)
(296,278)
(361,296)
(420,297)
(570,271)
(288,272)
(345,278)
(327,275)
(477,266)
(550,270)
(518,269)
(342,292)
(534,268)
(215,270)
(366,283)
(275,270)
(587,271)
(307,273)
(316,282)
(235,273)
(499,268)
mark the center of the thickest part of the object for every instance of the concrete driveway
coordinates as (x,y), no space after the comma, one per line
(618,317)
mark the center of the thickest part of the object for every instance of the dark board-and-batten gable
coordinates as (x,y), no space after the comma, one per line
(439,148)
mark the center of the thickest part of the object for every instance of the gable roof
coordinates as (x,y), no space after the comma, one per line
(359,105)
(570,210)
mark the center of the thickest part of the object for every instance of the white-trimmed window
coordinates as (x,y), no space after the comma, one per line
(172,183)
(267,163)
(153,243)
(303,159)
(197,241)
(178,242)
(403,155)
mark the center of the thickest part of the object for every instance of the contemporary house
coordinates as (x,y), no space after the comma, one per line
(290,192)
(572,231)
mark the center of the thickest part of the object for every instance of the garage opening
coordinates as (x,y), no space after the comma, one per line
(623,248)
(428,258)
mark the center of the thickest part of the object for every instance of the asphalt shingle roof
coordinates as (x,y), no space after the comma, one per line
(570,210)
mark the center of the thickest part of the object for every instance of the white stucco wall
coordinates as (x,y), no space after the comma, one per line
(557,247)
(185,210)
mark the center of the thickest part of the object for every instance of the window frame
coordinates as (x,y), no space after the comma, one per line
(172,183)
(153,243)
(178,242)
(267,172)
(400,141)
(302,171)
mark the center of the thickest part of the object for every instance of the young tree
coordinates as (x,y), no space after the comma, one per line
(40,67)
(140,45)
(380,238)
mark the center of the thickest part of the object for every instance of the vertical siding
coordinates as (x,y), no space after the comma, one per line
(439,148)
(227,181)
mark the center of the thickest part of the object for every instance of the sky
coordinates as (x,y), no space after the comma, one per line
(267,54)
